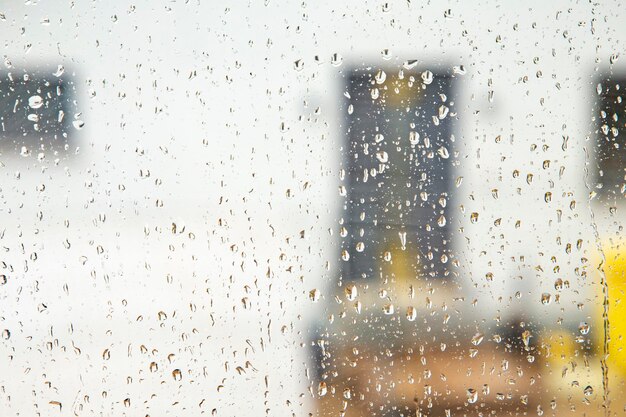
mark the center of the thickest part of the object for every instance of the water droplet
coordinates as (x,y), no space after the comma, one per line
(472,395)
(402,236)
(410,64)
(314,295)
(477,339)
(427,77)
(411,313)
(459,69)
(613,58)
(35,102)
(443,152)
(60,70)
(526,335)
(584,328)
(388,309)
(380,77)
(336,60)
(443,112)
(351,292)
(382,157)
(548,197)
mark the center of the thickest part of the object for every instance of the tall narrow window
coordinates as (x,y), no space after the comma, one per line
(398,163)
(611,121)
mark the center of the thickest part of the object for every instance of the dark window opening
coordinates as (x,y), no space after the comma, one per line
(37,107)
(611,125)
(398,170)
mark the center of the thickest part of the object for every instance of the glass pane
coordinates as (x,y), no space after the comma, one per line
(330,209)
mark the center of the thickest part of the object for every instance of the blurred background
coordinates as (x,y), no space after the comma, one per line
(289,209)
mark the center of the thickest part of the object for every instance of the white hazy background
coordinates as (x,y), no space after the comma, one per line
(183,104)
